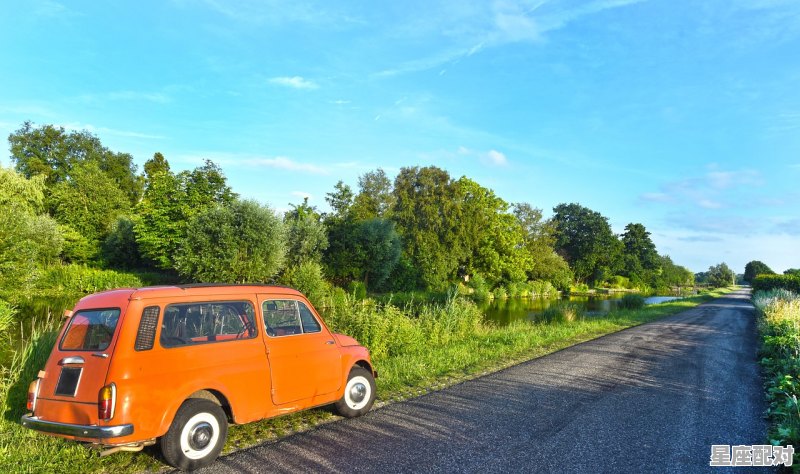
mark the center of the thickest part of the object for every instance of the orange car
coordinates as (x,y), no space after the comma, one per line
(178,363)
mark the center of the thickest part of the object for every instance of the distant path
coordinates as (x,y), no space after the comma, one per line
(653,398)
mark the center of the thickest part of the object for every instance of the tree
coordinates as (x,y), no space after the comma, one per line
(243,242)
(427,215)
(88,201)
(375,197)
(157,164)
(755,268)
(585,240)
(640,258)
(29,240)
(53,152)
(306,234)
(169,202)
(120,249)
(792,271)
(720,275)
(545,263)
(378,249)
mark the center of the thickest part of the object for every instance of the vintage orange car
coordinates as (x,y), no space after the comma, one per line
(178,363)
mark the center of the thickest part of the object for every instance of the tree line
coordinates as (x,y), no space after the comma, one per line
(70,199)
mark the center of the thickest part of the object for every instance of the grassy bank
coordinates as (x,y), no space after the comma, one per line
(779,325)
(416,349)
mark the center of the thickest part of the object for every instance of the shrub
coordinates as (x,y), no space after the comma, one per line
(358,289)
(500,293)
(772,282)
(480,288)
(631,301)
(82,279)
(307,278)
(563,312)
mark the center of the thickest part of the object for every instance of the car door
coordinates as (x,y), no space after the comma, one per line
(305,361)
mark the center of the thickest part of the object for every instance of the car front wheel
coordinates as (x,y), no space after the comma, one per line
(359,393)
(196,436)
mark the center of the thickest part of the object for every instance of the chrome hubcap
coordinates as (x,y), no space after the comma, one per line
(200,436)
(357,392)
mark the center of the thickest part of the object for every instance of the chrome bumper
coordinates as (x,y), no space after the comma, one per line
(79,431)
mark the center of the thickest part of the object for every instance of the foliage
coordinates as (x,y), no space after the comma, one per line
(774,282)
(480,288)
(89,202)
(120,249)
(755,268)
(792,271)
(377,247)
(72,279)
(169,202)
(426,213)
(585,240)
(779,325)
(563,312)
(640,258)
(244,242)
(29,240)
(720,276)
(55,153)
(375,199)
(631,301)
(307,278)
(306,233)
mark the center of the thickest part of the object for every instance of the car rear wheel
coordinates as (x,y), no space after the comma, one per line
(196,436)
(359,393)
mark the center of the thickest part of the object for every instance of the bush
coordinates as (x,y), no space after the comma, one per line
(772,282)
(82,279)
(631,301)
(563,312)
(779,325)
(307,278)
(500,293)
(480,288)
(358,289)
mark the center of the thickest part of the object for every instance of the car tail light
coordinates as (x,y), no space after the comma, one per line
(33,394)
(106,401)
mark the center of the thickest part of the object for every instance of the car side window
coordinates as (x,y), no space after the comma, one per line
(199,323)
(288,317)
(310,323)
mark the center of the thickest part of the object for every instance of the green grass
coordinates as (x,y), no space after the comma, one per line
(416,349)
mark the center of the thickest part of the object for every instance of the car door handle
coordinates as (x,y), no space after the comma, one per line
(71,360)
(329,342)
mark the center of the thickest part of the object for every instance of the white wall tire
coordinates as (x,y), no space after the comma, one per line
(359,393)
(196,436)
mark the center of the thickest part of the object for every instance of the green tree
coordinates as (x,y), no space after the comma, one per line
(585,240)
(755,268)
(29,240)
(427,215)
(792,271)
(53,152)
(243,242)
(156,164)
(377,251)
(640,258)
(545,263)
(88,202)
(721,275)
(306,234)
(169,202)
(375,198)
(120,249)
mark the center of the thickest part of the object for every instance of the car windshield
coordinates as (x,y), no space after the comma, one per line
(90,330)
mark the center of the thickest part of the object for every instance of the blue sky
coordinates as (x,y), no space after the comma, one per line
(681,115)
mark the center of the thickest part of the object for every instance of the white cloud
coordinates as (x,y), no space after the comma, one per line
(709,204)
(302,195)
(77,126)
(281,162)
(296,82)
(496,158)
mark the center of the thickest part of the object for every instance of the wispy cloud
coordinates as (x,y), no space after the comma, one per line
(296,82)
(101,131)
(126,95)
(302,195)
(499,23)
(496,158)
(283,163)
(50,9)
(712,190)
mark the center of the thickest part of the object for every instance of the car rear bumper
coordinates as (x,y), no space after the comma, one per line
(78,431)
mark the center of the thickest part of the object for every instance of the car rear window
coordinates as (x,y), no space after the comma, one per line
(90,330)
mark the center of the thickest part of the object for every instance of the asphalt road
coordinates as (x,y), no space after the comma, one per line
(653,398)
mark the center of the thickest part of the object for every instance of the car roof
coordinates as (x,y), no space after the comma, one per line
(106,298)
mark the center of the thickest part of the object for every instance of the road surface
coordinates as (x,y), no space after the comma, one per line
(653,398)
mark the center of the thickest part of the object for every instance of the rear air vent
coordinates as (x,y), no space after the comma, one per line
(146,336)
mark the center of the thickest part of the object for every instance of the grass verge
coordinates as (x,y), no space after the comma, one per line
(415,350)
(779,326)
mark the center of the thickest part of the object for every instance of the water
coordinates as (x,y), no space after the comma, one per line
(503,312)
